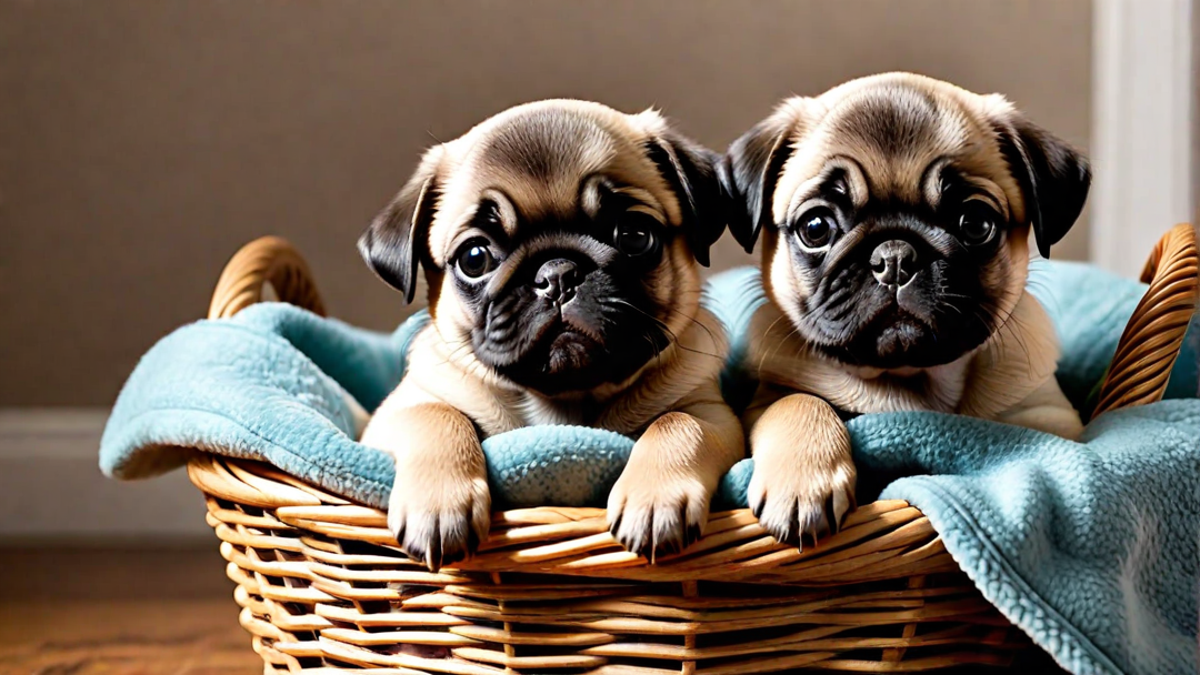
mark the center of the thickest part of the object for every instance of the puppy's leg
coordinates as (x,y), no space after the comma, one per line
(358,414)
(440,508)
(804,477)
(1046,409)
(660,502)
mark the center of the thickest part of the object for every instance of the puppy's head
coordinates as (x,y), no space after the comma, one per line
(560,241)
(895,213)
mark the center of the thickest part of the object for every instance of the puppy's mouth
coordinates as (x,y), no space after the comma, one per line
(899,337)
(568,354)
(895,339)
(568,343)
(918,325)
(570,351)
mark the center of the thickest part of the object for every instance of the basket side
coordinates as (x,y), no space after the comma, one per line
(323,585)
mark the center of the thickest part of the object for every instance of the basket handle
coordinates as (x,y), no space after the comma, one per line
(1154,335)
(267,260)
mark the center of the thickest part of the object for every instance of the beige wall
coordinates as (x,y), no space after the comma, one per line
(142,142)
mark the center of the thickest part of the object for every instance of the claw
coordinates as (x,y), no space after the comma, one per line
(615,526)
(415,552)
(654,521)
(829,515)
(472,542)
(757,507)
(640,545)
(682,542)
(434,554)
(457,556)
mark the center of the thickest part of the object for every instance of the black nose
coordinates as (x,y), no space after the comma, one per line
(894,263)
(557,280)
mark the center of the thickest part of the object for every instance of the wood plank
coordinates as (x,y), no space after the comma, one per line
(138,611)
(175,637)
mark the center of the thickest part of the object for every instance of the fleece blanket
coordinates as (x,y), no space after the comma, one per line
(1092,548)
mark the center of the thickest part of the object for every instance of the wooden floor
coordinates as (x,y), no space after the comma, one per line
(85,611)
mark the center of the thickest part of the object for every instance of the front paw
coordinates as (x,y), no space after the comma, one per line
(651,514)
(805,498)
(439,521)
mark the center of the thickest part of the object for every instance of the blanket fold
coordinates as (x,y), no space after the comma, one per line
(1092,548)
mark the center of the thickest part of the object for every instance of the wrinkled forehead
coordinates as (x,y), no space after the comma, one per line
(895,135)
(544,166)
(540,159)
(896,141)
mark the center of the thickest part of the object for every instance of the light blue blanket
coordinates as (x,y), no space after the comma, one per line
(1091,548)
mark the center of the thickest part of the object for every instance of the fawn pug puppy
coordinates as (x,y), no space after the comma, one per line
(561,244)
(895,213)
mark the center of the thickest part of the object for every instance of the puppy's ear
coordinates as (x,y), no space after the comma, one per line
(749,172)
(691,171)
(395,241)
(1054,178)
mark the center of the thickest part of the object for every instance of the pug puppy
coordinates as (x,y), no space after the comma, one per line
(895,213)
(561,244)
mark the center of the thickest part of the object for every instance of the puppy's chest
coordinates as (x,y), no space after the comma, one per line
(534,410)
(1014,362)
(783,361)
(850,395)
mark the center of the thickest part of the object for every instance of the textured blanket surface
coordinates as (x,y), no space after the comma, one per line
(1091,547)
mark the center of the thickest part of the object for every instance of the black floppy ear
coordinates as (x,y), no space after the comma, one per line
(691,171)
(748,173)
(395,241)
(1054,178)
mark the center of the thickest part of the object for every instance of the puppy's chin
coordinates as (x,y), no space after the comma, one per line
(570,358)
(899,340)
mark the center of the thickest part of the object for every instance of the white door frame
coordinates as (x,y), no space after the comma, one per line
(1142,138)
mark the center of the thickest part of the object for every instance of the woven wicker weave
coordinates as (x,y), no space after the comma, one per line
(324,588)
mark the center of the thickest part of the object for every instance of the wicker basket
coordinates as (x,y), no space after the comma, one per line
(324,588)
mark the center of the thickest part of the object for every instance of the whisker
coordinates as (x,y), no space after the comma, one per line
(799,348)
(659,323)
(693,320)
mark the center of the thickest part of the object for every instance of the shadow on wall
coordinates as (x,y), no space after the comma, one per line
(145,142)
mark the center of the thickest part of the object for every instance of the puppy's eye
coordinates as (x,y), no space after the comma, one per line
(977,223)
(816,228)
(475,259)
(635,235)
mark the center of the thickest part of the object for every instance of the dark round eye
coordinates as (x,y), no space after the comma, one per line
(635,235)
(816,228)
(977,223)
(475,259)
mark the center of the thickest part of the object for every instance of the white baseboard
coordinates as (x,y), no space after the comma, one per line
(51,486)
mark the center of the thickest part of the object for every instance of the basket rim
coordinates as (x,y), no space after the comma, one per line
(881,540)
